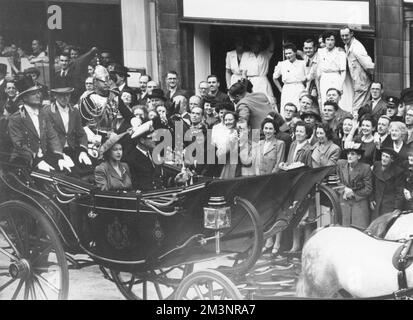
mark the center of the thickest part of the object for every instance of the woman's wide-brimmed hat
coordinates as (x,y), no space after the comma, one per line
(390,152)
(63,90)
(157,93)
(109,143)
(311,112)
(32,70)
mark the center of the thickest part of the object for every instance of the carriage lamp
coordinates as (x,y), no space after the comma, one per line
(217,216)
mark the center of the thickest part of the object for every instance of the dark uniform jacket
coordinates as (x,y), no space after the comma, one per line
(387,189)
(26,141)
(75,136)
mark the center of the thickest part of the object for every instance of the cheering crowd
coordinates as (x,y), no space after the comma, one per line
(332,112)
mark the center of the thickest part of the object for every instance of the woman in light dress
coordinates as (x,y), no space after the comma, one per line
(255,66)
(233,63)
(293,75)
(332,65)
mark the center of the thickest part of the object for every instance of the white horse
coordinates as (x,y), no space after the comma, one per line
(402,228)
(337,258)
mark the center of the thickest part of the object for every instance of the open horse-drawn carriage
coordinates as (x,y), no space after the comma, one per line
(145,239)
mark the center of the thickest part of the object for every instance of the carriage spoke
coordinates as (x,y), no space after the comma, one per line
(44,252)
(145,290)
(13,224)
(223,294)
(198,291)
(47,283)
(10,242)
(32,291)
(16,293)
(131,283)
(41,288)
(210,288)
(4,286)
(8,254)
(26,290)
(158,291)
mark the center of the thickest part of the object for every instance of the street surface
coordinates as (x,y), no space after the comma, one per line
(270,278)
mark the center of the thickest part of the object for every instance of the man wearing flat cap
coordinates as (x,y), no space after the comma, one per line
(66,121)
(388,182)
(35,142)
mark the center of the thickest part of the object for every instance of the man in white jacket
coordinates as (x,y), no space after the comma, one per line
(359,64)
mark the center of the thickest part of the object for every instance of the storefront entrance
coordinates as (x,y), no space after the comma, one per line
(221,40)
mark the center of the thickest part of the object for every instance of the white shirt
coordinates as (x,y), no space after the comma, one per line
(382,138)
(291,72)
(1,81)
(63,73)
(122,86)
(397,149)
(34,115)
(267,145)
(374,103)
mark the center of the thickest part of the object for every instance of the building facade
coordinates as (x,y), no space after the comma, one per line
(193,36)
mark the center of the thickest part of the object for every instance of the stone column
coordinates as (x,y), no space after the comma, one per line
(389,45)
(407,45)
(138,36)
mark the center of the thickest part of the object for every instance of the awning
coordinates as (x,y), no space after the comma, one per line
(311,14)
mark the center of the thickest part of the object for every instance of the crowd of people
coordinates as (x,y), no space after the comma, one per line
(331,113)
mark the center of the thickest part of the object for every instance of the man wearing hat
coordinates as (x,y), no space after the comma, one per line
(121,73)
(388,181)
(156,98)
(356,179)
(311,117)
(34,73)
(3,72)
(67,123)
(406,97)
(35,142)
(393,109)
(96,108)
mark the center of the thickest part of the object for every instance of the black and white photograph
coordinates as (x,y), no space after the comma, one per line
(223,150)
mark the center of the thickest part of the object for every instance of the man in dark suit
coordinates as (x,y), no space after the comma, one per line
(146,175)
(35,142)
(67,123)
(121,74)
(172,81)
(214,91)
(377,106)
(63,77)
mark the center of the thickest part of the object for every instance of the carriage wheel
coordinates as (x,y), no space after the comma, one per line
(152,285)
(207,285)
(245,219)
(32,260)
(329,203)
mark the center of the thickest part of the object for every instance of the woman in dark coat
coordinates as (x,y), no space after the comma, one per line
(388,181)
(357,188)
